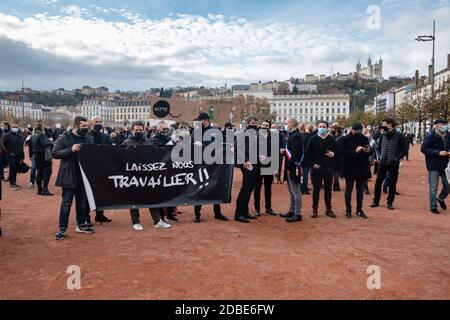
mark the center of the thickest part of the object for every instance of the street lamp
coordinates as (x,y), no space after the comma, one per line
(426,39)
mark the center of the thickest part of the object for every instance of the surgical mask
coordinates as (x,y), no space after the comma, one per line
(323,131)
(286,128)
(398,130)
(15,130)
(444,128)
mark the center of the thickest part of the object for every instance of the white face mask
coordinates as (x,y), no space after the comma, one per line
(15,130)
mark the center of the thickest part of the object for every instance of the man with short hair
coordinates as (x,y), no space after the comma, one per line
(356,170)
(249,174)
(320,153)
(392,149)
(294,158)
(436,147)
(266,179)
(69,177)
(38,144)
(138,138)
(100,138)
(13,142)
(205,126)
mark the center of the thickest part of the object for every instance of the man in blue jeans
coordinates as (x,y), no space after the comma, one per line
(436,148)
(69,177)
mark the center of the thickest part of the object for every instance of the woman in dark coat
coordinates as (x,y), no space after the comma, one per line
(356,152)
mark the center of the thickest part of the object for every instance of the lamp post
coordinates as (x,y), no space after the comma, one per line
(426,39)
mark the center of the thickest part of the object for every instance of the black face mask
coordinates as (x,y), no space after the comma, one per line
(253,127)
(98,127)
(83,131)
(138,136)
(385,128)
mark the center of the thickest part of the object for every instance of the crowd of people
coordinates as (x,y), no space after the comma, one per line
(322,154)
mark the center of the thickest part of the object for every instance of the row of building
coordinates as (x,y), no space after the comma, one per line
(420,88)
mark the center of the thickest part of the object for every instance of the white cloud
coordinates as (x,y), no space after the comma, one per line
(215,47)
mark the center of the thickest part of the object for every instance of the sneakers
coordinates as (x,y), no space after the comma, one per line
(348,214)
(441,204)
(197,219)
(162,225)
(390,206)
(84,228)
(171,219)
(220,217)
(31,185)
(60,234)
(434,211)
(138,227)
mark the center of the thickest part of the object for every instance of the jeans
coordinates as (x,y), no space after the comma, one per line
(304,185)
(80,205)
(267,180)
(433,179)
(324,174)
(295,196)
(384,170)
(248,184)
(155,213)
(13,163)
(33,170)
(349,183)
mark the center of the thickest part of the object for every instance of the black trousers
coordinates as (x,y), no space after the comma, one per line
(349,183)
(383,170)
(43,171)
(325,175)
(267,180)
(216,208)
(248,185)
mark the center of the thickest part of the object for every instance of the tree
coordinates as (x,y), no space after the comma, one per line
(404,113)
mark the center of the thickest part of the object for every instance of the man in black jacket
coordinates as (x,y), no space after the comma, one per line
(249,170)
(356,151)
(392,149)
(69,177)
(266,179)
(320,153)
(13,142)
(436,147)
(102,139)
(198,147)
(38,144)
(294,157)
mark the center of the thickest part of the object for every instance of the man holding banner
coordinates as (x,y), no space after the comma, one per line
(138,138)
(205,126)
(66,148)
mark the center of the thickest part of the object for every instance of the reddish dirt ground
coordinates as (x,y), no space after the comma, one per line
(266,259)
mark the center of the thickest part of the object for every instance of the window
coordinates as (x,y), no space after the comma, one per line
(338,110)
(328,110)
(332,110)
(344,110)
(338,103)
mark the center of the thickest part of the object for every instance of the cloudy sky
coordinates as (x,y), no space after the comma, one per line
(139,44)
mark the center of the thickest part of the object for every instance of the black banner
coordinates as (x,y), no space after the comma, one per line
(119,177)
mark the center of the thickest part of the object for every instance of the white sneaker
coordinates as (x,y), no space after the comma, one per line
(162,225)
(31,185)
(138,227)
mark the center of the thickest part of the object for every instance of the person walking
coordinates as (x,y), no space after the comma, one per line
(356,151)
(436,147)
(392,149)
